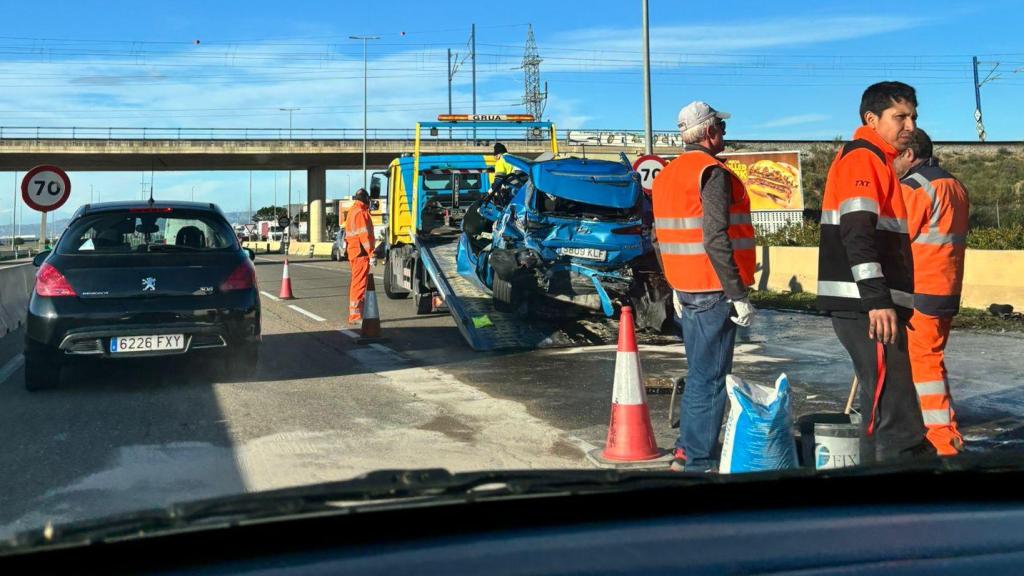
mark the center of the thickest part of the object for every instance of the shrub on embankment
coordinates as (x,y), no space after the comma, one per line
(807,233)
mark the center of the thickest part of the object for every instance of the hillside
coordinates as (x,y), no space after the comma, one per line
(995,181)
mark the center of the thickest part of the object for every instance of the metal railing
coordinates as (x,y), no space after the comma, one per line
(585,137)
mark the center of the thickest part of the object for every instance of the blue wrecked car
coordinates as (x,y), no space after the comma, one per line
(572,230)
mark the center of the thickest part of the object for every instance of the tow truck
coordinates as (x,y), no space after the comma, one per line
(427,197)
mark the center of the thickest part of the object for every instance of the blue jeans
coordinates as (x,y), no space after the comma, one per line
(709,336)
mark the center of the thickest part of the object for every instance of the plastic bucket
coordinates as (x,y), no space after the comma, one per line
(830,440)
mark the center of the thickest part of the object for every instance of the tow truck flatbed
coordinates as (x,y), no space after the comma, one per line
(470,305)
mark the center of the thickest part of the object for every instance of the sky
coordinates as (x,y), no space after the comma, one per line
(792,71)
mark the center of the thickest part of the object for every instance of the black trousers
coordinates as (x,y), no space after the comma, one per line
(899,430)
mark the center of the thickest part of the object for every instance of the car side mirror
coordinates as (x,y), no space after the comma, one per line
(40,258)
(252,254)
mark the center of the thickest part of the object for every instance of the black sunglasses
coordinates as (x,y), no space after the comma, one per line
(721,126)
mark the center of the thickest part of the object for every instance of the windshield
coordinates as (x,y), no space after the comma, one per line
(128,233)
(754,239)
(469,182)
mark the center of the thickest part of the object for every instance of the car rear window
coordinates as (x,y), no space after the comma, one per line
(145,232)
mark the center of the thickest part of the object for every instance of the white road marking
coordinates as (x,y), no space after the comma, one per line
(269,295)
(11,367)
(307,313)
(318,267)
(350,333)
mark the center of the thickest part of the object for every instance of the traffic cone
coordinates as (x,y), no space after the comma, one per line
(369,330)
(630,435)
(286,284)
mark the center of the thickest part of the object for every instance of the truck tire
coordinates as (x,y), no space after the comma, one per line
(392,265)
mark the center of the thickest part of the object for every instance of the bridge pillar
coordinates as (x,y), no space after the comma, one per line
(316,186)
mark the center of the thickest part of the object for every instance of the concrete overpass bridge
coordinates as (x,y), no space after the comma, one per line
(312,150)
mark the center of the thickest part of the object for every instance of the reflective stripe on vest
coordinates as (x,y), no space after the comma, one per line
(678,224)
(939,244)
(933,195)
(940,239)
(691,248)
(867,271)
(864,205)
(696,223)
(838,289)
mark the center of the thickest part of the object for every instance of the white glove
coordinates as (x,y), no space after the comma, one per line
(373,262)
(677,304)
(745,312)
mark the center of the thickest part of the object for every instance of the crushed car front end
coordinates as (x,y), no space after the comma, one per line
(571,230)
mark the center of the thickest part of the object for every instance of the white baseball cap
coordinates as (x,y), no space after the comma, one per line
(696,112)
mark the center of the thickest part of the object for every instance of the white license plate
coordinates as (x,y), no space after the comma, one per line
(128,344)
(588,253)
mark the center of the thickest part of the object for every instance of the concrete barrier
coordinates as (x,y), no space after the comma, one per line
(990,276)
(310,249)
(322,249)
(16,283)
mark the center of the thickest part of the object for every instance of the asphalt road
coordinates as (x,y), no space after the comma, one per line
(321,407)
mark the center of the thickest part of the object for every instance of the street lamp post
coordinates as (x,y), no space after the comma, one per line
(364,39)
(648,131)
(289,210)
(14,217)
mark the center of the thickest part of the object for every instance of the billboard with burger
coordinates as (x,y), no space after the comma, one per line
(772,178)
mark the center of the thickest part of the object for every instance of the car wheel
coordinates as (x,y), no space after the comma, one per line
(42,371)
(511,296)
(390,264)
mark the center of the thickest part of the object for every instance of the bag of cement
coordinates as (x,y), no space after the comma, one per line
(758,433)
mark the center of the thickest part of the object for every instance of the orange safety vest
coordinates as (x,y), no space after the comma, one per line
(864,259)
(679,224)
(937,207)
(359,230)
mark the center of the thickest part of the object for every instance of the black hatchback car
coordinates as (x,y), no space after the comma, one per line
(143,279)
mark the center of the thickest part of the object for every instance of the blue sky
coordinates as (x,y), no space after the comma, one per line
(794,70)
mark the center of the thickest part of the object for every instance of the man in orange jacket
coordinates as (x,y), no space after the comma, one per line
(360,244)
(865,271)
(937,211)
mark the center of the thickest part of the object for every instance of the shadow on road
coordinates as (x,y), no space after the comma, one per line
(114,438)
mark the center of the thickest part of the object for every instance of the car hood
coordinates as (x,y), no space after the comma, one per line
(596,182)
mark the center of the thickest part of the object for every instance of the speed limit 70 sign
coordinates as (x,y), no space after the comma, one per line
(45,188)
(648,167)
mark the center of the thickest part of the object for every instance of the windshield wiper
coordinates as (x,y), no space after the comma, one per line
(379,486)
(439,485)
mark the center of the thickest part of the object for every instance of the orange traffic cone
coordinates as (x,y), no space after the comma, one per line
(286,284)
(369,330)
(630,435)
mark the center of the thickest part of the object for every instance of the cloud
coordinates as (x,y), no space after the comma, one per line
(796,120)
(733,36)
